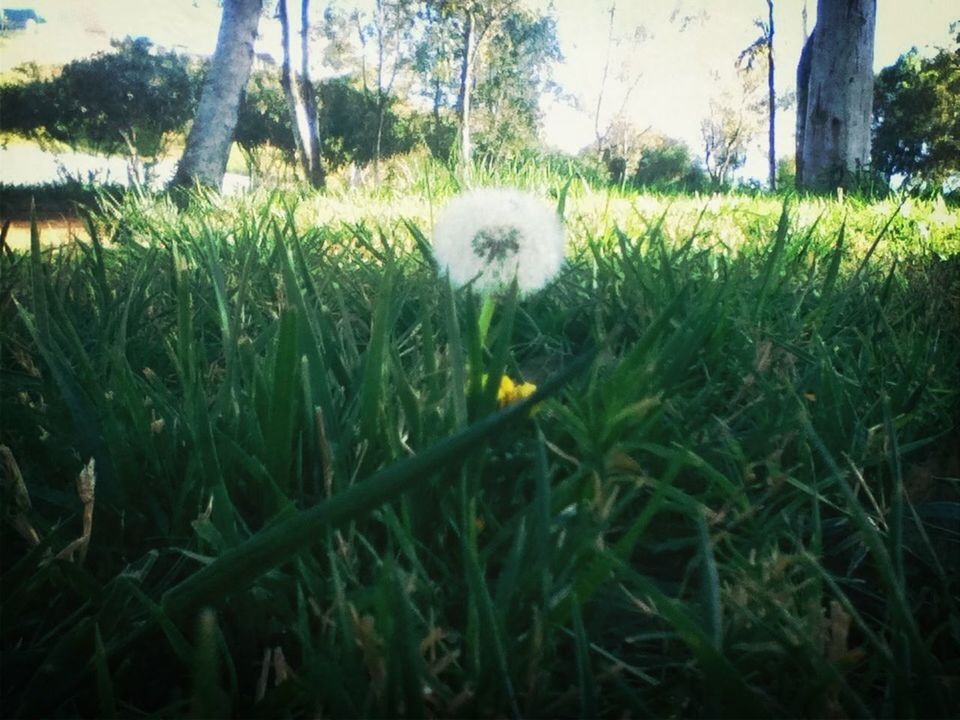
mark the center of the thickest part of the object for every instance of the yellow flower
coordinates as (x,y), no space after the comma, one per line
(510,392)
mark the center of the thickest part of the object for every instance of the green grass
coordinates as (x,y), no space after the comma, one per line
(738,494)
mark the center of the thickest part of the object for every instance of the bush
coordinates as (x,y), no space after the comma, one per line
(347,127)
(916,118)
(124,102)
(51,199)
(666,165)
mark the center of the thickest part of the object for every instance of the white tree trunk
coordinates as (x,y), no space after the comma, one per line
(463,101)
(316,175)
(834,144)
(208,144)
(772,103)
(299,93)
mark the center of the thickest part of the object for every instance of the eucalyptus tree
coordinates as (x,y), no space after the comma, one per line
(916,118)
(726,135)
(489,61)
(735,119)
(762,48)
(301,95)
(835,95)
(388,34)
(620,60)
(515,72)
(470,23)
(208,144)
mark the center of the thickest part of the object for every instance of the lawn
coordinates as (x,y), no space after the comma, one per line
(255,464)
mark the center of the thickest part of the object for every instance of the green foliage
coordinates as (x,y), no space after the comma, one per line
(732,496)
(51,199)
(648,160)
(510,83)
(916,118)
(125,101)
(787,171)
(665,165)
(513,51)
(349,121)
(264,116)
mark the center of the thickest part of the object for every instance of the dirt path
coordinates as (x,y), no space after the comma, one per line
(53,232)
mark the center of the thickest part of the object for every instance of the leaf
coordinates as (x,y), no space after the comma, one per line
(108,707)
(585,681)
(373,368)
(279,433)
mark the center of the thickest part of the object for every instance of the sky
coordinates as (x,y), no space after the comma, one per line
(676,55)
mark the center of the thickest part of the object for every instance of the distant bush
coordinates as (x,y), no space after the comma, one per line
(347,127)
(51,199)
(916,119)
(787,172)
(124,102)
(264,117)
(665,164)
(263,122)
(648,160)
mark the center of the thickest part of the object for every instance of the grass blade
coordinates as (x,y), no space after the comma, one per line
(371,392)
(585,680)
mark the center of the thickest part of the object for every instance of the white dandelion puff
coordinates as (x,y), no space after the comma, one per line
(492,235)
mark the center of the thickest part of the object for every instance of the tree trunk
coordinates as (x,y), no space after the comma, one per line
(315,175)
(300,101)
(437,104)
(208,144)
(601,136)
(772,130)
(834,139)
(463,98)
(803,82)
(298,115)
(381,91)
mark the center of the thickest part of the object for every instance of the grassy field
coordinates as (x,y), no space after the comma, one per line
(255,466)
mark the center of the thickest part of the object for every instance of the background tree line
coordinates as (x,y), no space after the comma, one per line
(464,79)
(395,85)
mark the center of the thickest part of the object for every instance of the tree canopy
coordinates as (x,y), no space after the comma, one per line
(916,119)
(122,101)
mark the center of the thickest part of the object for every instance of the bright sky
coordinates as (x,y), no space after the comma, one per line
(679,72)
(674,73)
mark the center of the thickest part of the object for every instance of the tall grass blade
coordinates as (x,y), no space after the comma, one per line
(105,693)
(865,261)
(371,392)
(206,668)
(733,695)
(458,370)
(281,427)
(585,679)
(491,630)
(773,258)
(903,619)
(38,281)
(710,583)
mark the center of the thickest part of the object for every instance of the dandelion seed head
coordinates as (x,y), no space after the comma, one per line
(492,235)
